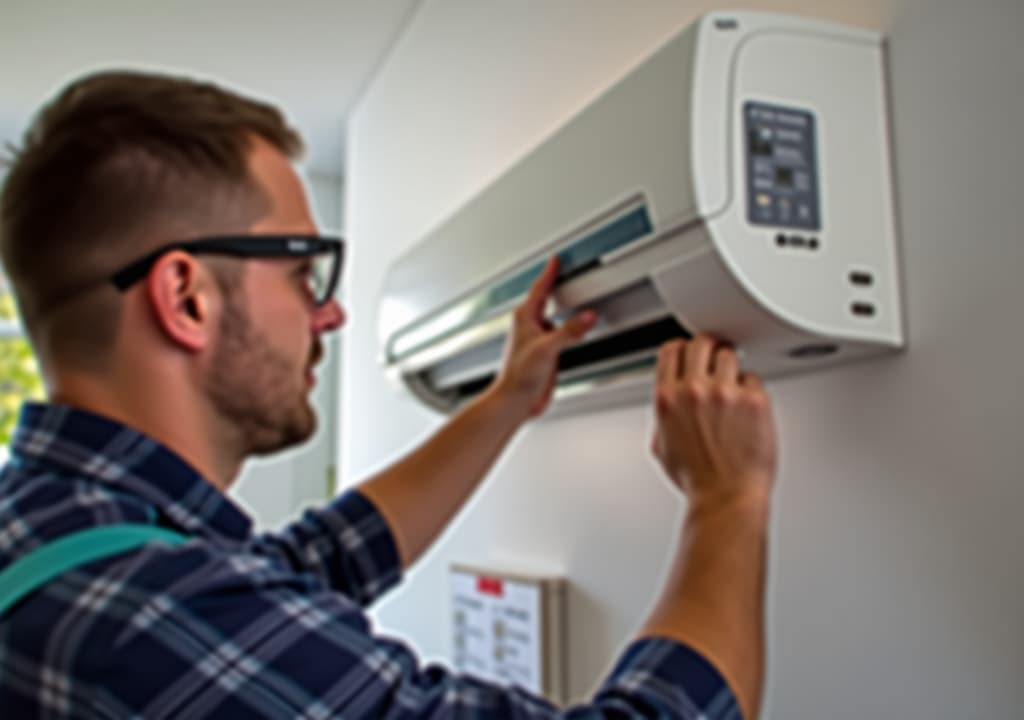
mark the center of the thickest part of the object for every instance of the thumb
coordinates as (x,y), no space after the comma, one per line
(574,329)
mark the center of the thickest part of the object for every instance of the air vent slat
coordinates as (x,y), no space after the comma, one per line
(626,344)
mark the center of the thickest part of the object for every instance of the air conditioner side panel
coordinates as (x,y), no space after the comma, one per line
(803,275)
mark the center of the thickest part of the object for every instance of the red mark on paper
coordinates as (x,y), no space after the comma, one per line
(490,586)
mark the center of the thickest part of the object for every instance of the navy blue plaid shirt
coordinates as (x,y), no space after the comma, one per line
(236,625)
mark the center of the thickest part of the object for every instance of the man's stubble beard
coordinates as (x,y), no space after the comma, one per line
(256,388)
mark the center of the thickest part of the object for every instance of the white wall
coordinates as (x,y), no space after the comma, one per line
(896,575)
(274,490)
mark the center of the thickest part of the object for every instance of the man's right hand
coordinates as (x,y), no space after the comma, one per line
(715,436)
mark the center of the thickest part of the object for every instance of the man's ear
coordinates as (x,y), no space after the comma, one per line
(180,292)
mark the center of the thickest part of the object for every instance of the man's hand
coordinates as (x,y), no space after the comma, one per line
(715,436)
(528,375)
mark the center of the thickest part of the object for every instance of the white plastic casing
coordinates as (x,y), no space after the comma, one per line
(670,138)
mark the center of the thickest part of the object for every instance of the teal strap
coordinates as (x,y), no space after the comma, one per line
(54,558)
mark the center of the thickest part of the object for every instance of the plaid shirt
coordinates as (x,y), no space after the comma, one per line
(231,624)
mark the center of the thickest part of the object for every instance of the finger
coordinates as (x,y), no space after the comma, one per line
(698,357)
(539,292)
(669,357)
(752,381)
(726,366)
(575,328)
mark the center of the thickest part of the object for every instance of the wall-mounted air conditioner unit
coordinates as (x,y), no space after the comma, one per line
(737,183)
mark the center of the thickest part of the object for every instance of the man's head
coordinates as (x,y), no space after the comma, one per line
(122,164)
(115,165)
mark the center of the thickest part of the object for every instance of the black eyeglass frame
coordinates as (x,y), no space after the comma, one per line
(243,246)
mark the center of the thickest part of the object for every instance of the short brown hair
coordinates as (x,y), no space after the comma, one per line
(114,164)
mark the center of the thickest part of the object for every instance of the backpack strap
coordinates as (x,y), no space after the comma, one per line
(58,556)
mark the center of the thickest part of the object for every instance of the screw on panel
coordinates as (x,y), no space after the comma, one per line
(726,24)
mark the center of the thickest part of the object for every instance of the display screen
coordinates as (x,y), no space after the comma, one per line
(760,143)
(784,176)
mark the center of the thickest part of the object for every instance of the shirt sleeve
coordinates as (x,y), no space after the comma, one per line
(347,544)
(238,636)
(657,673)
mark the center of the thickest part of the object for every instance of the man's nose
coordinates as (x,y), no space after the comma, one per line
(328,317)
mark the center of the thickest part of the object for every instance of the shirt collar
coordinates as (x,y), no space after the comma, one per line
(50,435)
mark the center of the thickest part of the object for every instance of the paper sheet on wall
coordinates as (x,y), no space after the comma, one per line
(498,628)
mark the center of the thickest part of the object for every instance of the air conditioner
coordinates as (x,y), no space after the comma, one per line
(737,182)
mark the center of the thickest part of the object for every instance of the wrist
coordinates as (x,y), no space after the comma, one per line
(751,501)
(499,401)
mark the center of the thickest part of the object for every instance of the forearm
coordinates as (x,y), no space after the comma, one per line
(421,493)
(713,600)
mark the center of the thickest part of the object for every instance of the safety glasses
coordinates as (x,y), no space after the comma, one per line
(326,255)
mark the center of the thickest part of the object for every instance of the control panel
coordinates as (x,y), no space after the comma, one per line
(782,167)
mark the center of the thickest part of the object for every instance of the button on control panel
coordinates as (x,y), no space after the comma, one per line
(782,170)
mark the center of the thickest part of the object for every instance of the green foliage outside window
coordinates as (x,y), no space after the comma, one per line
(19,373)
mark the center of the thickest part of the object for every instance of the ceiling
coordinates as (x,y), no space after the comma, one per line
(313,58)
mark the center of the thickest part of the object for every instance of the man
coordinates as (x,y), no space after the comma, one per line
(169,277)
